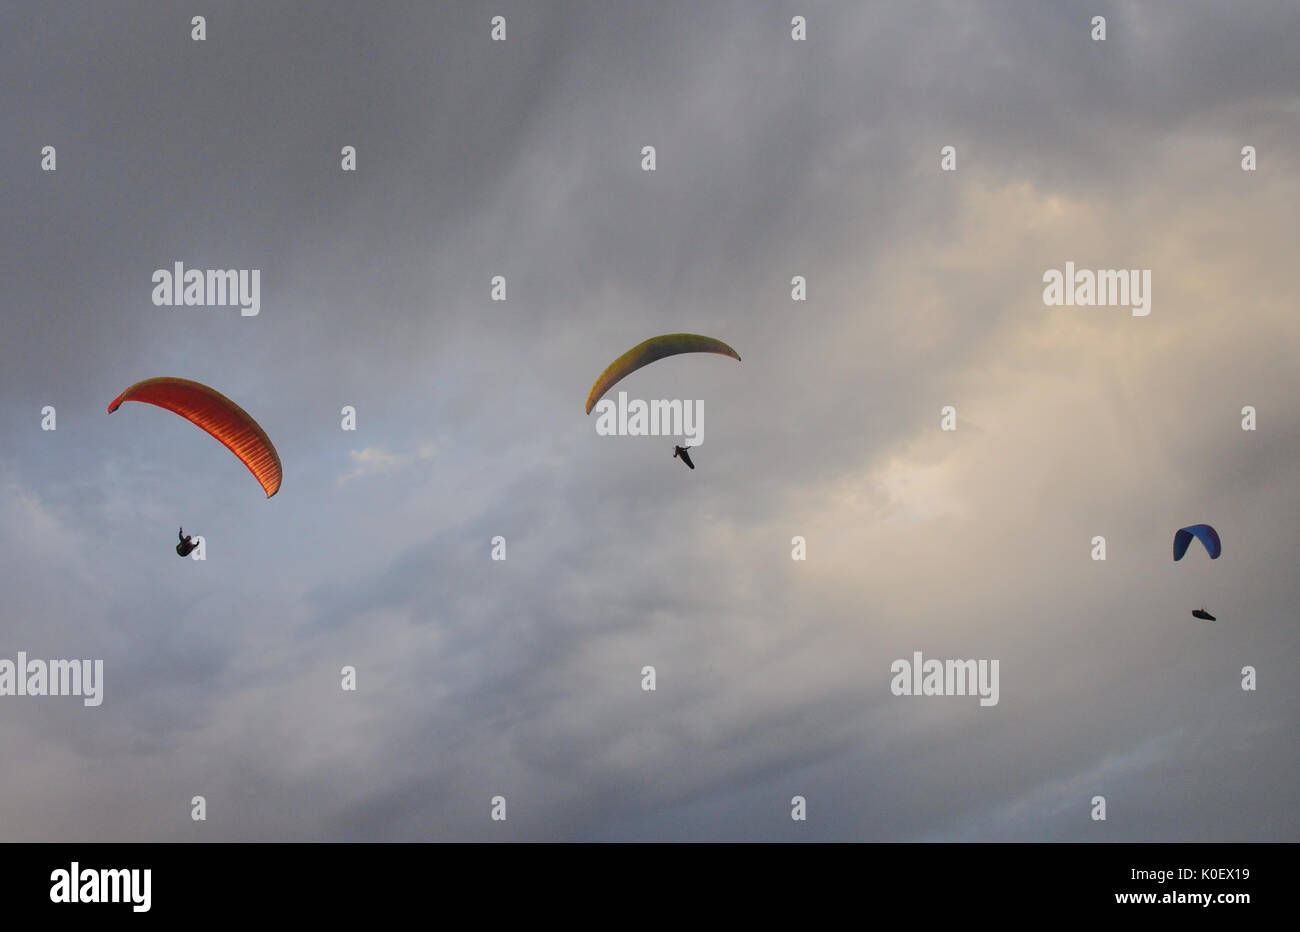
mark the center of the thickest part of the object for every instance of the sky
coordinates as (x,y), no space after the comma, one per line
(522,678)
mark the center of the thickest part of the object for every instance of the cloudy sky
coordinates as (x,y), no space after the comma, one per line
(775,158)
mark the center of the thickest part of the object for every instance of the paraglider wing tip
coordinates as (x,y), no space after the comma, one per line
(117,402)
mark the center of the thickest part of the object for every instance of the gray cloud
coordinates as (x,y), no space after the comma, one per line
(522,678)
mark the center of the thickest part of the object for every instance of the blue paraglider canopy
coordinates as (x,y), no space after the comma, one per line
(1202,532)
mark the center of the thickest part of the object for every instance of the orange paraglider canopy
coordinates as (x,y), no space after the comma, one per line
(218,415)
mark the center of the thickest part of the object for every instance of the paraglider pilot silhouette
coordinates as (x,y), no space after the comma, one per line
(186,545)
(686,457)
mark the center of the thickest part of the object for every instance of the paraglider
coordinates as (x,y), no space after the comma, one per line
(186,545)
(686,457)
(1208,536)
(219,416)
(670,344)
(1202,532)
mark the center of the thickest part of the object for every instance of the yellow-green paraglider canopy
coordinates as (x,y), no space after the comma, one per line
(670,344)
